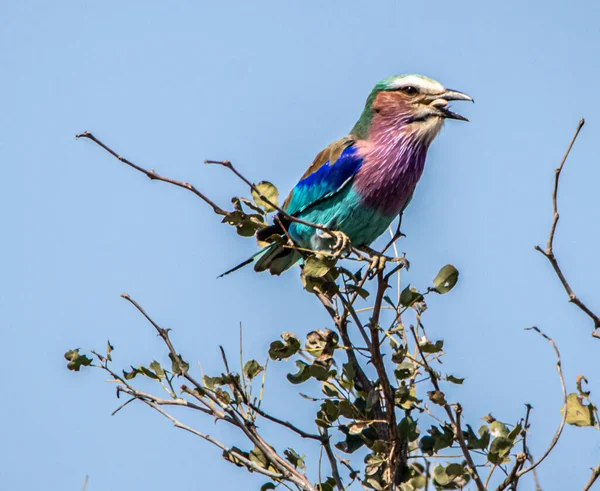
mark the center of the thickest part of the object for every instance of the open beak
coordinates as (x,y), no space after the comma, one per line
(440,102)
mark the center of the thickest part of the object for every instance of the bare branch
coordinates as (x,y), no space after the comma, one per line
(287,471)
(151,174)
(549,252)
(512,477)
(564,416)
(331,457)
(281,422)
(462,443)
(215,442)
(593,477)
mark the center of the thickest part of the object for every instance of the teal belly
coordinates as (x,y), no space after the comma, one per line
(343,212)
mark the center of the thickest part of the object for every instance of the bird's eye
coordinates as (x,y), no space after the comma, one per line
(410,90)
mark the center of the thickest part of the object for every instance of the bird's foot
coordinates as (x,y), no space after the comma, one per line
(377,265)
(341,245)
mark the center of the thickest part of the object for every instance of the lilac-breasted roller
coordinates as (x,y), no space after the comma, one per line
(360,183)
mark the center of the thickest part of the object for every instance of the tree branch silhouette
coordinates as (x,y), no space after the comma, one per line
(549,251)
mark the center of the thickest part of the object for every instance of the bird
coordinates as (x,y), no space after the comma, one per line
(359,184)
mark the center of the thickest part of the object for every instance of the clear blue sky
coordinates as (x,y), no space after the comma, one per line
(267,85)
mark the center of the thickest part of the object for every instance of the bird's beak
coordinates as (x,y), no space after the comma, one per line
(440,102)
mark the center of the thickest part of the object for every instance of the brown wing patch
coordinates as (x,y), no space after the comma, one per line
(329,154)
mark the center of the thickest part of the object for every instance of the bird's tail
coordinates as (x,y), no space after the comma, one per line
(275,258)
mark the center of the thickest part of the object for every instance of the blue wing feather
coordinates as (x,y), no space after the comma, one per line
(325,181)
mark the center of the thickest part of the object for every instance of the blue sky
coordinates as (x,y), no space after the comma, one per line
(267,85)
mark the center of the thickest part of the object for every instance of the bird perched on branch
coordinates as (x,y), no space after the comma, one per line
(357,185)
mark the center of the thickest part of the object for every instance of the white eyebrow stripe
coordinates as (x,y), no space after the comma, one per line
(422,83)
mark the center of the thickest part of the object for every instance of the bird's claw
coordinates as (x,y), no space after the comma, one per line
(377,265)
(341,245)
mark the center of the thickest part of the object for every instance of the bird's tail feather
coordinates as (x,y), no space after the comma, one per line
(275,257)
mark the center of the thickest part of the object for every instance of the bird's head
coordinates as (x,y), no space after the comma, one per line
(411,103)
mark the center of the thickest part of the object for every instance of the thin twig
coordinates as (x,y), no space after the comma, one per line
(455,421)
(549,252)
(513,478)
(593,477)
(526,450)
(487,481)
(228,165)
(281,422)
(151,174)
(123,405)
(331,457)
(564,416)
(217,443)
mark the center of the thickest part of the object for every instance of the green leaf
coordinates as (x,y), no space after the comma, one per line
(330,390)
(454,380)
(158,370)
(399,354)
(372,399)
(389,301)
(147,373)
(418,482)
(437,397)
(498,429)
(515,432)
(109,349)
(428,347)
(252,368)
(130,375)
(328,414)
(211,382)
(445,279)
(407,428)
(321,342)
(362,293)
(302,375)
(293,458)
(76,360)
(475,443)
(351,444)
(317,266)
(440,477)
(349,410)
(248,203)
(282,351)
(231,456)
(357,427)
(223,396)
(578,413)
(175,365)
(267,190)
(328,485)
(499,450)
(258,457)
(441,439)
(409,296)
(456,470)
(404,370)
(406,397)
(579,383)
(247,228)
(426,444)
